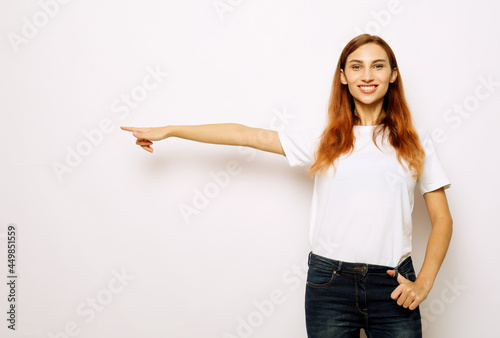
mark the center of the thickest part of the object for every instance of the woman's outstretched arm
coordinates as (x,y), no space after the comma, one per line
(224,133)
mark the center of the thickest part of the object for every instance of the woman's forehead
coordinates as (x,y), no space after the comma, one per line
(368,53)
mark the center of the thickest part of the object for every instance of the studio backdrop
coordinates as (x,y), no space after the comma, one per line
(99,238)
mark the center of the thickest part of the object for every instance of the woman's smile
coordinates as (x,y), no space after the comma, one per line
(368,89)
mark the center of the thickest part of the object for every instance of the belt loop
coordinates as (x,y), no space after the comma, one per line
(340,266)
(309,259)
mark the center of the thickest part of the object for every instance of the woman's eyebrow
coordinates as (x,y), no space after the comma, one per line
(374,61)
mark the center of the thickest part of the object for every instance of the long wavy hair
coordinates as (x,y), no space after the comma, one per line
(338,137)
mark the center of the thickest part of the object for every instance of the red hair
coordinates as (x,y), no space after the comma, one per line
(338,137)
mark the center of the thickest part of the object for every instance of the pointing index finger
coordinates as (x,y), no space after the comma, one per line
(132,129)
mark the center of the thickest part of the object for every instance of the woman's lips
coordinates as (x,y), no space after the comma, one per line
(368,89)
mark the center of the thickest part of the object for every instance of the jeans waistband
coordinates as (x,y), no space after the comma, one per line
(361,268)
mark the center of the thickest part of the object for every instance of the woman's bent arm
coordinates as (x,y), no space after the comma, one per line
(408,294)
(439,239)
(223,133)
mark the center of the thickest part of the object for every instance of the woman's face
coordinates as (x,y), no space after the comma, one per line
(367,74)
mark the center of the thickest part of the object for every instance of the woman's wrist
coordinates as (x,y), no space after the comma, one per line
(168,131)
(427,283)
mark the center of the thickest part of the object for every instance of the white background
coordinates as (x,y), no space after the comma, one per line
(212,273)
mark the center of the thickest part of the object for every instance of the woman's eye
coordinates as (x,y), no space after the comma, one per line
(379,66)
(356,67)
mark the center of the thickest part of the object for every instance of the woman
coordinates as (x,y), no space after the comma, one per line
(366,163)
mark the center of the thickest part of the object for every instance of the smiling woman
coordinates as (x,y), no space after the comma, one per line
(366,69)
(366,164)
(366,76)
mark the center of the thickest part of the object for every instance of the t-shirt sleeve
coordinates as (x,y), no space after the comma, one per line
(433,176)
(300,145)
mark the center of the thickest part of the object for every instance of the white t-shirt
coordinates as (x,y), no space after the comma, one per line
(362,212)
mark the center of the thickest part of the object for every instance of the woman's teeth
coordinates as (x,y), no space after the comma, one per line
(367,88)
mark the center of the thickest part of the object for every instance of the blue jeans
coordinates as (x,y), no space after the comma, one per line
(342,298)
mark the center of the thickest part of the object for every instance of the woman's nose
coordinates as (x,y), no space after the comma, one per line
(367,74)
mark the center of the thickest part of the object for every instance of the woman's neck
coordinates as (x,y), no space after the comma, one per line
(369,115)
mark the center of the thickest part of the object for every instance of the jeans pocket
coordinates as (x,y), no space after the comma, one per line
(319,276)
(408,272)
(411,276)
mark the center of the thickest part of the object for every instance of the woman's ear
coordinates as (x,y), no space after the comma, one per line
(343,79)
(394,75)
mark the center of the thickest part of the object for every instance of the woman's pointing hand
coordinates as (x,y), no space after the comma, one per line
(145,136)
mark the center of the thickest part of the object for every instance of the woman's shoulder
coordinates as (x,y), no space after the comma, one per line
(313,132)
